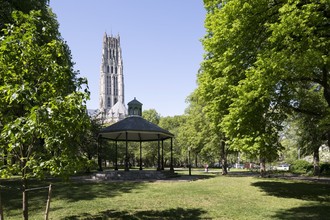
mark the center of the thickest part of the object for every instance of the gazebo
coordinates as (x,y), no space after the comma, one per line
(134,128)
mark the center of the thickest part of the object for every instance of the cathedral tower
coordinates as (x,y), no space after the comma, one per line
(112,106)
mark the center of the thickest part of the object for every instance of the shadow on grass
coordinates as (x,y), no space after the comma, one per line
(69,191)
(245,173)
(11,195)
(317,194)
(318,211)
(77,191)
(297,190)
(178,213)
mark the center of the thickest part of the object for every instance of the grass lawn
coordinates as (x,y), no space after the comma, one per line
(215,197)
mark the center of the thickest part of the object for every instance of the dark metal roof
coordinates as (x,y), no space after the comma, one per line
(134,102)
(137,129)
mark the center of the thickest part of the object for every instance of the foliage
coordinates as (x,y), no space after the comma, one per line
(325,169)
(151,115)
(42,107)
(7,7)
(174,125)
(232,48)
(196,131)
(258,69)
(301,166)
(89,144)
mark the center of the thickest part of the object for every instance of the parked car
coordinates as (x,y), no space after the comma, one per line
(284,167)
(239,166)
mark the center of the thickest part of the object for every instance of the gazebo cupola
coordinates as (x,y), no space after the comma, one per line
(134,108)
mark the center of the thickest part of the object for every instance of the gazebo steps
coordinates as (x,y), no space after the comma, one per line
(133,175)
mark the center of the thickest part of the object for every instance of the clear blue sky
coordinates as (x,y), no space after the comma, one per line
(160,42)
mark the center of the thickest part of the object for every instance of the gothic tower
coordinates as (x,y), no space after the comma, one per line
(112,106)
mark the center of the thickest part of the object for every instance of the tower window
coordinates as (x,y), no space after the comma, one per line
(107,69)
(109,102)
(111,69)
(115,70)
(115,86)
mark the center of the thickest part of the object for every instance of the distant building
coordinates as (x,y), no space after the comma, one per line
(112,103)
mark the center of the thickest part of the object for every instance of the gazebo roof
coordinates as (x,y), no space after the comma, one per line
(134,102)
(137,129)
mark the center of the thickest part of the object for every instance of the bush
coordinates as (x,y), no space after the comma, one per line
(301,166)
(325,169)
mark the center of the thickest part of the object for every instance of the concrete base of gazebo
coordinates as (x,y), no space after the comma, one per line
(133,175)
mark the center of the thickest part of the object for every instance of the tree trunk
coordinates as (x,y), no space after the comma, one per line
(223,157)
(5,156)
(25,199)
(262,167)
(326,90)
(25,209)
(1,210)
(316,162)
(48,201)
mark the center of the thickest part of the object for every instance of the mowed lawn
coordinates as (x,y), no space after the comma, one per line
(213,197)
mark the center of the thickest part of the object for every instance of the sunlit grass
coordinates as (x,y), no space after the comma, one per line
(214,197)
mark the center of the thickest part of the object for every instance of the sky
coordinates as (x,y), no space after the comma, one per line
(160,41)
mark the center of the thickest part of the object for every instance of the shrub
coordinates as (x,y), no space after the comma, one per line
(301,166)
(325,169)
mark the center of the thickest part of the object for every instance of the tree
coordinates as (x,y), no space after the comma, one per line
(235,34)
(150,152)
(151,115)
(197,133)
(42,102)
(173,125)
(300,58)
(291,73)
(89,144)
(258,67)
(7,7)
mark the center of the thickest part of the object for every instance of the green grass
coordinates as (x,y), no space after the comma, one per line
(214,197)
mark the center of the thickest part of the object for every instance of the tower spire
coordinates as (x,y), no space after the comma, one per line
(112,79)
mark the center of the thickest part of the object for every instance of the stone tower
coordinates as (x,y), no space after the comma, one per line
(112,105)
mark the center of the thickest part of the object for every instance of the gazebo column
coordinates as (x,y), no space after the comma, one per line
(126,156)
(99,160)
(162,168)
(140,155)
(171,165)
(116,156)
(158,159)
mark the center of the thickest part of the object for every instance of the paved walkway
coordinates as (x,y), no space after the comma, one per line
(287,176)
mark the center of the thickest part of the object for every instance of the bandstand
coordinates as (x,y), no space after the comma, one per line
(134,128)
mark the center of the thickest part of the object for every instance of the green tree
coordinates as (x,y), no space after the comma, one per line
(196,132)
(235,34)
(7,7)
(42,102)
(173,125)
(262,57)
(150,149)
(151,115)
(300,58)
(89,144)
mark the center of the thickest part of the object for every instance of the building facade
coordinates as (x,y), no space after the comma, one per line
(112,101)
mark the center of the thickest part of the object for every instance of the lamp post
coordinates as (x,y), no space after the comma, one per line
(189,163)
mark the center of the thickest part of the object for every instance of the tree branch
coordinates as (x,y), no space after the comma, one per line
(304,111)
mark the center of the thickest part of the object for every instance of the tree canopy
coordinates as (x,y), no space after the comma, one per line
(42,99)
(264,60)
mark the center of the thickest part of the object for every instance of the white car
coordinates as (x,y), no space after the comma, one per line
(284,167)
